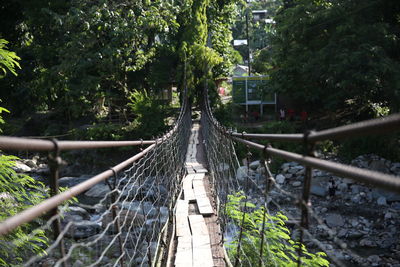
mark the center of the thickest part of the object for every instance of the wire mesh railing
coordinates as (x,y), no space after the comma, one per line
(252,220)
(125,220)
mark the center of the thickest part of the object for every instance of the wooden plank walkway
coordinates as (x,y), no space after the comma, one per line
(194,241)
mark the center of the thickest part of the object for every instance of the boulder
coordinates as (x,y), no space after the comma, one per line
(254,165)
(334,220)
(83,229)
(318,191)
(241,173)
(31,163)
(296,184)
(127,216)
(72,181)
(381,201)
(141,207)
(280,179)
(98,191)
(74,213)
(21,167)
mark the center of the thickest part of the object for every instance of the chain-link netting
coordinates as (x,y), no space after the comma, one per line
(270,222)
(125,219)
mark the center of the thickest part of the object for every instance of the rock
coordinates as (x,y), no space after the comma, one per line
(288,175)
(75,214)
(390,196)
(353,234)
(374,260)
(127,216)
(323,210)
(342,187)
(261,170)
(318,191)
(356,199)
(241,173)
(367,243)
(395,168)
(223,167)
(280,179)
(130,191)
(72,181)
(296,184)
(98,191)
(78,263)
(354,222)
(387,242)
(21,167)
(381,201)
(31,163)
(142,207)
(254,165)
(378,165)
(388,216)
(342,233)
(334,220)
(83,229)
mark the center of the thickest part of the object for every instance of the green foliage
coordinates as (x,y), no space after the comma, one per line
(150,114)
(8,60)
(328,53)
(1,118)
(100,131)
(278,249)
(17,193)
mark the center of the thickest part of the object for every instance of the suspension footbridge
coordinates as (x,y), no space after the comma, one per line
(169,204)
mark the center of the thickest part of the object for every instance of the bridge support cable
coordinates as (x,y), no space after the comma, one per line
(268,196)
(124,220)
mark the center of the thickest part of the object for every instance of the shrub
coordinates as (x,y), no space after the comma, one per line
(17,193)
(279,249)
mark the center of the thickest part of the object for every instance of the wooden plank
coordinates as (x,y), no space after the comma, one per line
(188,188)
(181,217)
(190,170)
(198,225)
(199,176)
(201,170)
(184,252)
(203,202)
(202,255)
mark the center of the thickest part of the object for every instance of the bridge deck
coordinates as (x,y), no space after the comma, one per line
(198,236)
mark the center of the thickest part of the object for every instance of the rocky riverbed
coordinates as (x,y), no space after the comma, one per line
(356,223)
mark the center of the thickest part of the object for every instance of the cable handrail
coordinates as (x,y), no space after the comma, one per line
(385,181)
(30,144)
(373,126)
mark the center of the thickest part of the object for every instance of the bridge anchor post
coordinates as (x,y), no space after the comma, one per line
(55,161)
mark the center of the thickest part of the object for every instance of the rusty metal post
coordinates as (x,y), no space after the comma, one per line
(305,203)
(55,160)
(268,181)
(114,213)
(237,260)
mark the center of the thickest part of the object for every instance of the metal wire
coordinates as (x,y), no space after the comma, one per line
(124,227)
(220,152)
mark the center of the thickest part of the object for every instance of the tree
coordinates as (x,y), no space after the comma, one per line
(338,54)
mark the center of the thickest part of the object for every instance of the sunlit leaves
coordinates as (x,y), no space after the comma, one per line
(8,59)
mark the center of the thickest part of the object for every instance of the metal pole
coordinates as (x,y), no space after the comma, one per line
(305,201)
(54,164)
